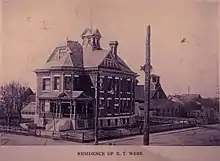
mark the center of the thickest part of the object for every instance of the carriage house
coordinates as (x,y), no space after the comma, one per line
(77,79)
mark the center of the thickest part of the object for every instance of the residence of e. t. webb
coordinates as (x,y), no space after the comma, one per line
(79,78)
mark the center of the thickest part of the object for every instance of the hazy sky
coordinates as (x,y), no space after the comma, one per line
(26,45)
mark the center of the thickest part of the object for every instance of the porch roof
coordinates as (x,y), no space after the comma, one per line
(65,95)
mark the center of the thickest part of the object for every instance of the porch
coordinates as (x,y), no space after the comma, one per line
(66,112)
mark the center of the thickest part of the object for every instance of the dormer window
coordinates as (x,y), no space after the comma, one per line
(61,53)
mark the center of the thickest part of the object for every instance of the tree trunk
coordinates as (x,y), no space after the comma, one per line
(19,117)
(9,121)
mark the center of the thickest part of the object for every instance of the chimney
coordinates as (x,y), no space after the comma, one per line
(113,46)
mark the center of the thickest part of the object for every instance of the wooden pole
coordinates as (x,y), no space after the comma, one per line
(147,70)
(71,95)
(97,106)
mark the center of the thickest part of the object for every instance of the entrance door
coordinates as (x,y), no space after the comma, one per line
(65,109)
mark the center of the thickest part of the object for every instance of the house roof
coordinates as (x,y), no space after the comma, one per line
(66,56)
(75,95)
(154,75)
(187,97)
(93,58)
(90,32)
(29,107)
(139,92)
(74,55)
(161,104)
(210,103)
(29,92)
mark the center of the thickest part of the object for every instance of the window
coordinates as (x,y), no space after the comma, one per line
(128,105)
(129,86)
(76,84)
(117,87)
(101,84)
(101,104)
(154,79)
(128,120)
(56,83)
(67,82)
(116,122)
(123,120)
(110,84)
(125,85)
(61,53)
(122,85)
(46,83)
(109,122)
(108,103)
(101,123)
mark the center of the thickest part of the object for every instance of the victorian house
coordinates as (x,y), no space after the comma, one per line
(79,78)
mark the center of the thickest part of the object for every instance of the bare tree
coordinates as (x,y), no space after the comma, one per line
(14,97)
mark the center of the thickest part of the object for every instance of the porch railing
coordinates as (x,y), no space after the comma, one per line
(74,116)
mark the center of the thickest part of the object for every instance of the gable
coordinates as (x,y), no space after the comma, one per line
(58,53)
(82,95)
(159,94)
(63,95)
(110,62)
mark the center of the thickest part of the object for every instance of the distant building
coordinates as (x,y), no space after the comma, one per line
(28,112)
(210,109)
(156,93)
(156,90)
(67,86)
(186,97)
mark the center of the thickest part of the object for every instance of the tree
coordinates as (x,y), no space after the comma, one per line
(14,97)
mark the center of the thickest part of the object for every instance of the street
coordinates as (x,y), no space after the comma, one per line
(197,136)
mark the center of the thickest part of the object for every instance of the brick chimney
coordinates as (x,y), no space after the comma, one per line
(114,46)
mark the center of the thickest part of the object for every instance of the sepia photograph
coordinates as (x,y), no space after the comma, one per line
(118,72)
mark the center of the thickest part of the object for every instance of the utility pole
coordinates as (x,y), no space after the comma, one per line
(188,90)
(97,86)
(71,96)
(147,69)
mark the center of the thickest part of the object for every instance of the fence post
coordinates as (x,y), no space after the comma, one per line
(67,135)
(82,137)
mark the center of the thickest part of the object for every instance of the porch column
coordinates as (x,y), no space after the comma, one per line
(59,105)
(39,107)
(74,113)
(86,109)
(56,109)
(71,109)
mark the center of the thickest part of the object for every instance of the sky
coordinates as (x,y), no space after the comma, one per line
(26,44)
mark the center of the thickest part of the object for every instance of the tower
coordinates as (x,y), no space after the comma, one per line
(91,38)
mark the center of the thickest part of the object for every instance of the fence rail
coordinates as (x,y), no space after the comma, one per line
(89,135)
